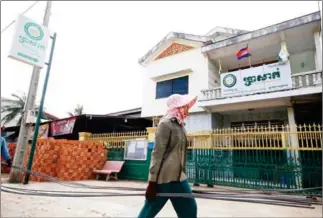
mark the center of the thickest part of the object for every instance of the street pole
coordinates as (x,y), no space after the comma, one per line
(18,161)
(33,144)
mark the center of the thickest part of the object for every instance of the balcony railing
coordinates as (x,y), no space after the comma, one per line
(299,80)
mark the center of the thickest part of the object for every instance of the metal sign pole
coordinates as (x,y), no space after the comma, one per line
(33,144)
(15,175)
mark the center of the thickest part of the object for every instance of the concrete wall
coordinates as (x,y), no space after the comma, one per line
(206,121)
(302,62)
(256,115)
(198,122)
(191,63)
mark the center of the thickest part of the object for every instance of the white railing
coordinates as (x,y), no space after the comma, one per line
(307,79)
(299,80)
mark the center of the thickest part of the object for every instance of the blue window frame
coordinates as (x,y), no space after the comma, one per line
(173,86)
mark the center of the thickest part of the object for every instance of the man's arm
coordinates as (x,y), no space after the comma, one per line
(161,142)
(4,150)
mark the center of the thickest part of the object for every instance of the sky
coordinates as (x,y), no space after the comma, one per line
(99,43)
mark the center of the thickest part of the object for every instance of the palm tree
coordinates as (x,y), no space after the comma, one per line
(77,111)
(13,108)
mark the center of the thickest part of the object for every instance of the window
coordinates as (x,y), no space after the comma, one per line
(173,86)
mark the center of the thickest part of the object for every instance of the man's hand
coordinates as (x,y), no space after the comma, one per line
(9,162)
(151,191)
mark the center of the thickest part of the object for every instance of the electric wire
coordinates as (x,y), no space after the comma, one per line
(292,204)
(263,197)
(229,195)
(80,185)
(30,7)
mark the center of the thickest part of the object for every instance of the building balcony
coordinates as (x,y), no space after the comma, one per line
(299,81)
(300,85)
(260,81)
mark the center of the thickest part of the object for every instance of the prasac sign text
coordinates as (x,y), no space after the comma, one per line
(266,78)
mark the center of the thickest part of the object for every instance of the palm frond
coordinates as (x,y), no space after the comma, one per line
(10,108)
(19,121)
(9,117)
(78,110)
(22,98)
(9,101)
(14,108)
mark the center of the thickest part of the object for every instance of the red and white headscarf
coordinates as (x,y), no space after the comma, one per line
(176,105)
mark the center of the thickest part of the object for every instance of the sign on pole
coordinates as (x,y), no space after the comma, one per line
(30,42)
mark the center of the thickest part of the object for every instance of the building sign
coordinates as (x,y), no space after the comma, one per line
(136,149)
(42,132)
(62,127)
(266,78)
(30,42)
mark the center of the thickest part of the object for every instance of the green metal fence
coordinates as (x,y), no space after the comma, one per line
(116,143)
(257,158)
(280,157)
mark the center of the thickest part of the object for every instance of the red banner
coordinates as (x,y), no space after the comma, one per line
(62,127)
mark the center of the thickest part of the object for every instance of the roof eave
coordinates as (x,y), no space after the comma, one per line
(226,30)
(169,36)
(313,17)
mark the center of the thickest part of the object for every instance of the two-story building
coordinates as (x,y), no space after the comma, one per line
(260,89)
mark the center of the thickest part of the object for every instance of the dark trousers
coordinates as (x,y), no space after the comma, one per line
(184,207)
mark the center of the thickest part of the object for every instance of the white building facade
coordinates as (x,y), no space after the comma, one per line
(258,90)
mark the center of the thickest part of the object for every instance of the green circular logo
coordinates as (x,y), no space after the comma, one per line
(34,31)
(229,80)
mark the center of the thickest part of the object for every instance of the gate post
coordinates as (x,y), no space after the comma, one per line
(294,155)
(151,133)
(84,136)
(151,139)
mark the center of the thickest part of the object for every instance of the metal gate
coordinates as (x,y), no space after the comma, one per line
(262,157)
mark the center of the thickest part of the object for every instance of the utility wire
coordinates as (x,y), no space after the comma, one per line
(30,7)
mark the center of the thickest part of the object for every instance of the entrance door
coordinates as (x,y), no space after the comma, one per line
(308,113)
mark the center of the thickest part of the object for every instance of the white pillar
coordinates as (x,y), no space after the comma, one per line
(291,116)
(318,50)
(293,143)
(293,128)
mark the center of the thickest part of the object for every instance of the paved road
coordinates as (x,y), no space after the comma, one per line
(29,206)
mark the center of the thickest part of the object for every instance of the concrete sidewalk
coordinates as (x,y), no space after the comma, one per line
(33,206)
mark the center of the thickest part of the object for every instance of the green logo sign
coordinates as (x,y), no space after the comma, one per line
(229,80)
(34,31)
